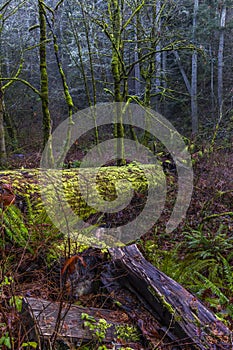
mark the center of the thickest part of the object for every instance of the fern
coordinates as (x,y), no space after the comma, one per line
(222,299)
(228,274)
(207,243)
(197,271)
(213,287)
(15,228)
(31,229)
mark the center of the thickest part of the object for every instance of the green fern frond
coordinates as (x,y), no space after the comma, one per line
(15,228)
(228,274)
(212,286)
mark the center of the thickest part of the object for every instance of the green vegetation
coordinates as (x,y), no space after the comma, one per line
(57,58)
(202,262)
(198,254)
(127,333)
(99,328)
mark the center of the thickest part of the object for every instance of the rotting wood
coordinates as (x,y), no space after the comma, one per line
(175,319)
(40,317)
(173,306)
(157,336)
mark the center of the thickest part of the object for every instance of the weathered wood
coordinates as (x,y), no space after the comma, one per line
(41,317)
(157,336)
(176,318)
(172,305)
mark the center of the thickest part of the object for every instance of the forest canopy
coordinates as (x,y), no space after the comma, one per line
(57,57)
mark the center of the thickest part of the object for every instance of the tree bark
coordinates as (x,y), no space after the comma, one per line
(194,108)
(221,57)
(212,81)
(44,85)
(137,77)
(3,155)
(158,55)
(116,65)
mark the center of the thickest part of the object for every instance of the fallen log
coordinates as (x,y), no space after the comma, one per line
(168,316)
(47,321)
(179,311)
(157,337)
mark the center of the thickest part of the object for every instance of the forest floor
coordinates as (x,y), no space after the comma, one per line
(198,254)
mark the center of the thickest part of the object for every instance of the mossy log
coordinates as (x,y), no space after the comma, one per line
(89,192)
(104,180)
(173,306)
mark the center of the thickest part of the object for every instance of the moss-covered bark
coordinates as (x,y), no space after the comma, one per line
(117,72)
(2,131)
(117,47)
(44,85)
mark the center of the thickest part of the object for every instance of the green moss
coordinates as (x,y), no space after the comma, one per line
(101,184)
(161,299)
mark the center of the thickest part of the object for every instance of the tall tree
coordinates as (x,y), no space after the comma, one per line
(223,12)
(6,11)
(3,155)
(44,89)
(44,85)
(158,55)
(194,111)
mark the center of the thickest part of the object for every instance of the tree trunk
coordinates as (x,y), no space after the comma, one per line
(44,88)
(194,111)
(3,155)
(10,131)
(212,81)
(220,57)
(182,71)
(137,85)
(116,65)
(158,55)
(164,81)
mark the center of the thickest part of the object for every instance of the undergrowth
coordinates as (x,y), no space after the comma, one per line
(202,264)
(199,255)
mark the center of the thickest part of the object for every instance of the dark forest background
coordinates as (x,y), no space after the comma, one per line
(173,56)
